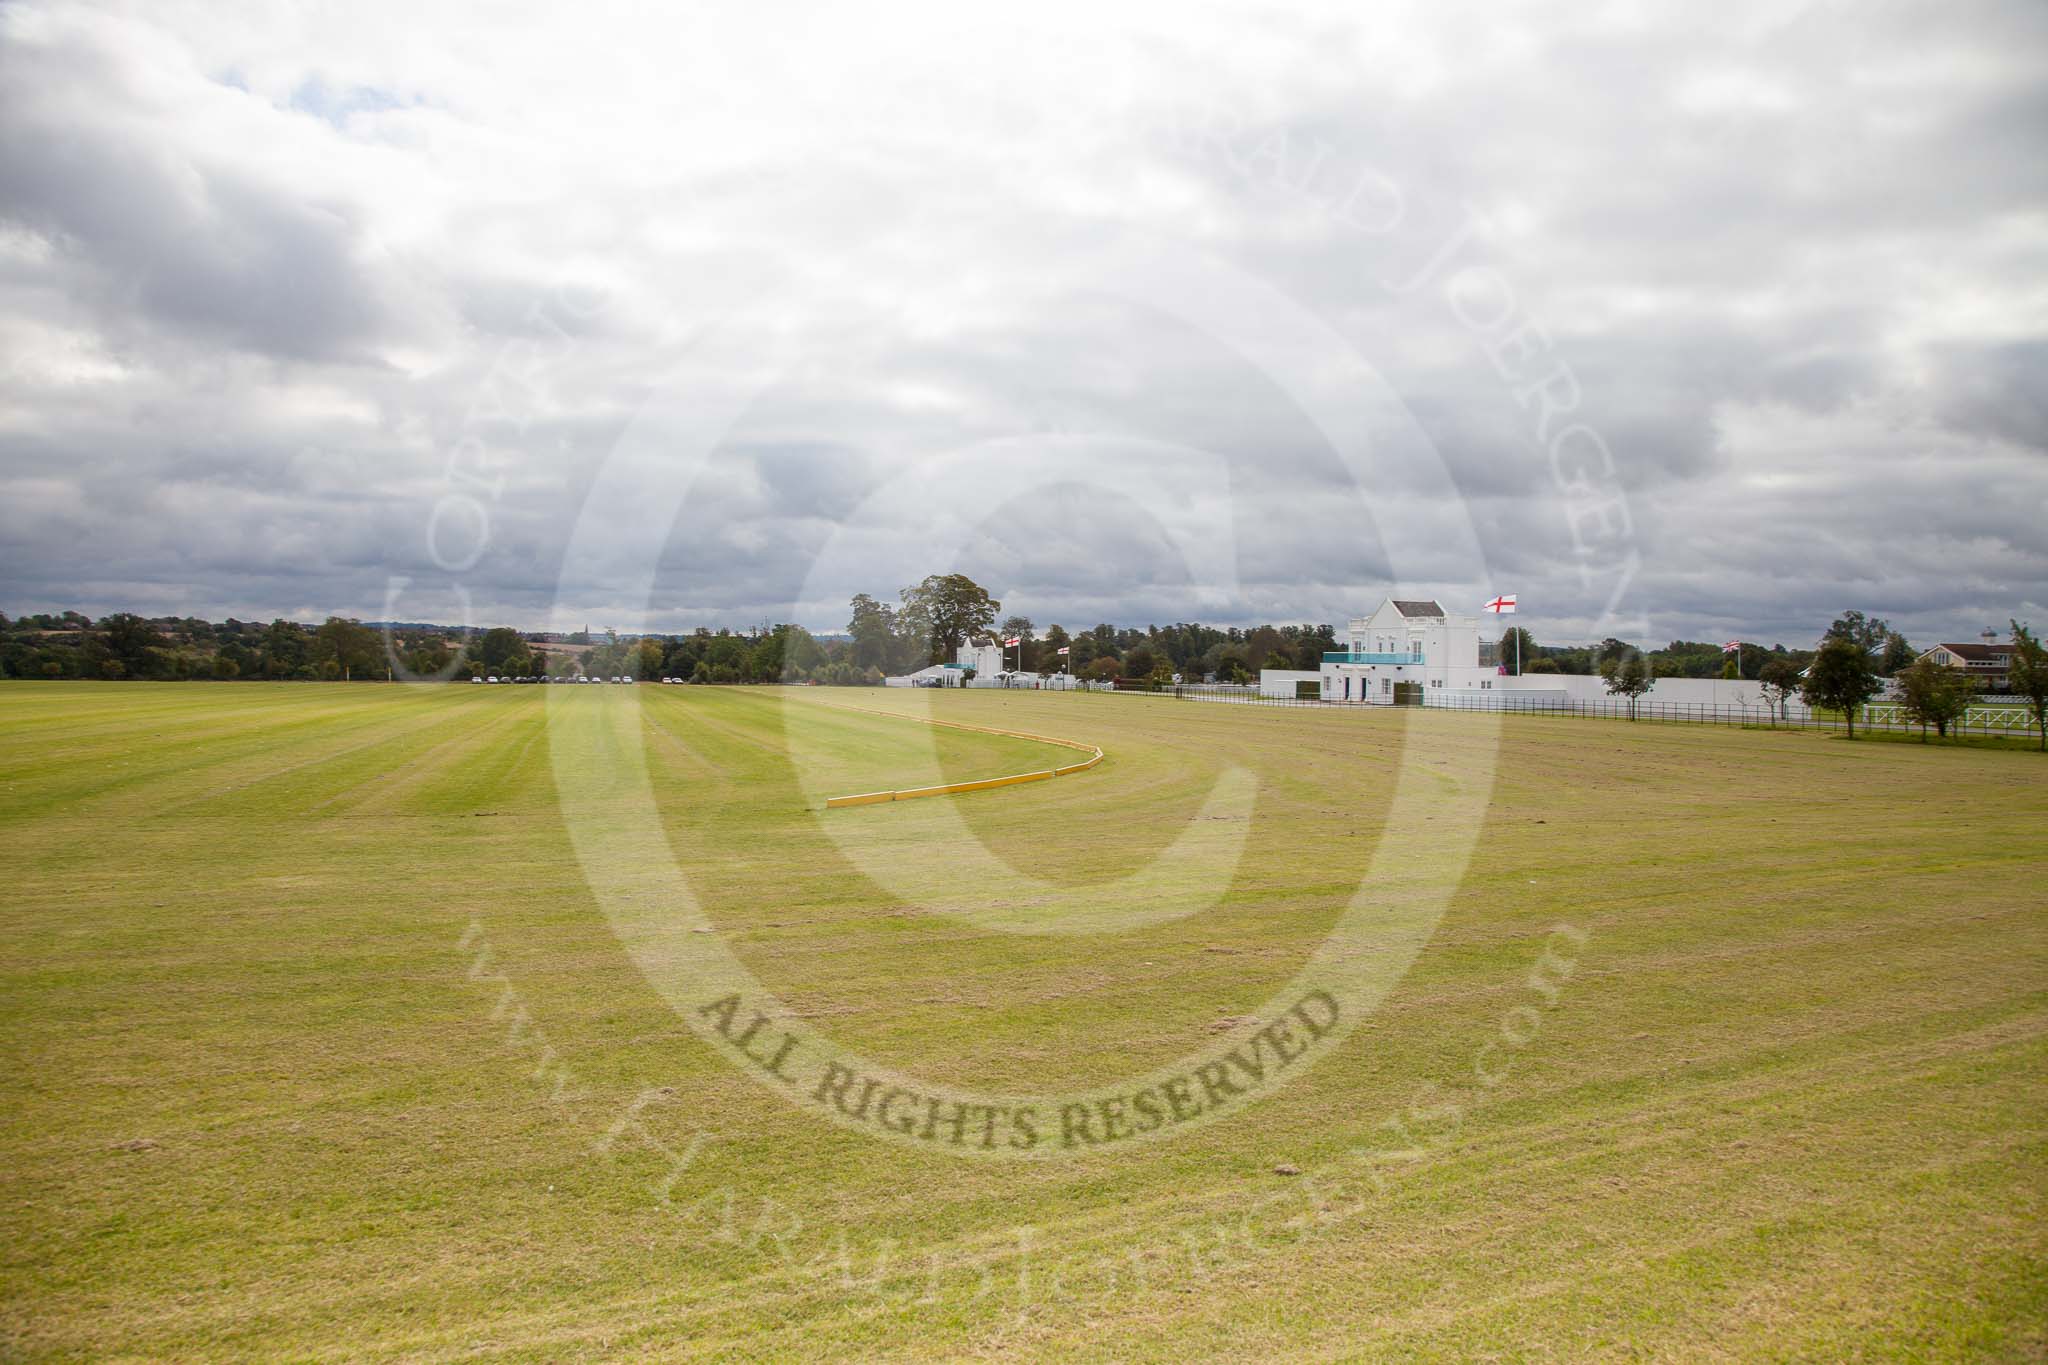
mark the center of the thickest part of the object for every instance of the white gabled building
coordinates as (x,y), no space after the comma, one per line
(1402,642)
(985,657)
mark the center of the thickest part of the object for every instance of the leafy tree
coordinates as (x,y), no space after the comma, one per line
(285,649)
(766,657)
(428,660)
(1897,655)
(348,645)
(685,654)
(1779,679)
(647,659)
(1934,695)
(802,655)
(1022,629)
(1627,676)
(1056,639)
(725,652)
(944,610)
(2028,676)
(1867,633)
(1510,638)
(225,667)
(1101,670)
(1840,678)
(499,646)
(132,642)
(873,629)
(1267,648)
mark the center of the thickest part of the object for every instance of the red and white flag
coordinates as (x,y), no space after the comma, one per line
(1731,646)
(1503,605)
(1066,649)
(1012,640)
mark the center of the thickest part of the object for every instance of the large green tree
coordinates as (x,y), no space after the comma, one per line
(1056,639)
(1934,694)
(1627,675)
(1778,679)
(944,610)
(1511,639)
(286,648)
(132,642)
(498,647)
(2028,676)
(1840,678)
(873,628)
(1867,633)
(1024,631)
(345,646)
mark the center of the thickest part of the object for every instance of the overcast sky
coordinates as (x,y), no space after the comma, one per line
(1677,321)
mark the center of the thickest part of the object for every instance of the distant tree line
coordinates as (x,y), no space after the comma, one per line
(184,648)
(928,622)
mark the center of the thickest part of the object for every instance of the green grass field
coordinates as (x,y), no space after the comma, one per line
(318,1042)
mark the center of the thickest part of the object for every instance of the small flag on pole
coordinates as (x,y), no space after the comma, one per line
(1066,649)
(1731,646)
(1503,605)
(1011,641)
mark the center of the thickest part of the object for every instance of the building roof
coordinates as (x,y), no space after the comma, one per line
(1417,608)
(1979,653)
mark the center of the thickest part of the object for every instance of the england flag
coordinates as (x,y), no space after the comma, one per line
(1503,605)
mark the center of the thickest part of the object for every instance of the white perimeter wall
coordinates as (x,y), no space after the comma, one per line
(1683,691)
(1279,682)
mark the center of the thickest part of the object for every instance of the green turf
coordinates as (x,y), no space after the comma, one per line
(313,1031)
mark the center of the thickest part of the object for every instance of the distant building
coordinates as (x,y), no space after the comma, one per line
(1403,641)
(985,657)
(1989,665)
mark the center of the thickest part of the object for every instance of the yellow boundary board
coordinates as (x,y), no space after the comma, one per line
(954,788)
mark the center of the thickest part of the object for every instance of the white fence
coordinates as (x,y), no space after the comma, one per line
(1983,720)
(1876,716)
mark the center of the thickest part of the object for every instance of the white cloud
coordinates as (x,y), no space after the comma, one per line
(265,272)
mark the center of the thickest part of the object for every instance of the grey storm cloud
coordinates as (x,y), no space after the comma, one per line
(384,312)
